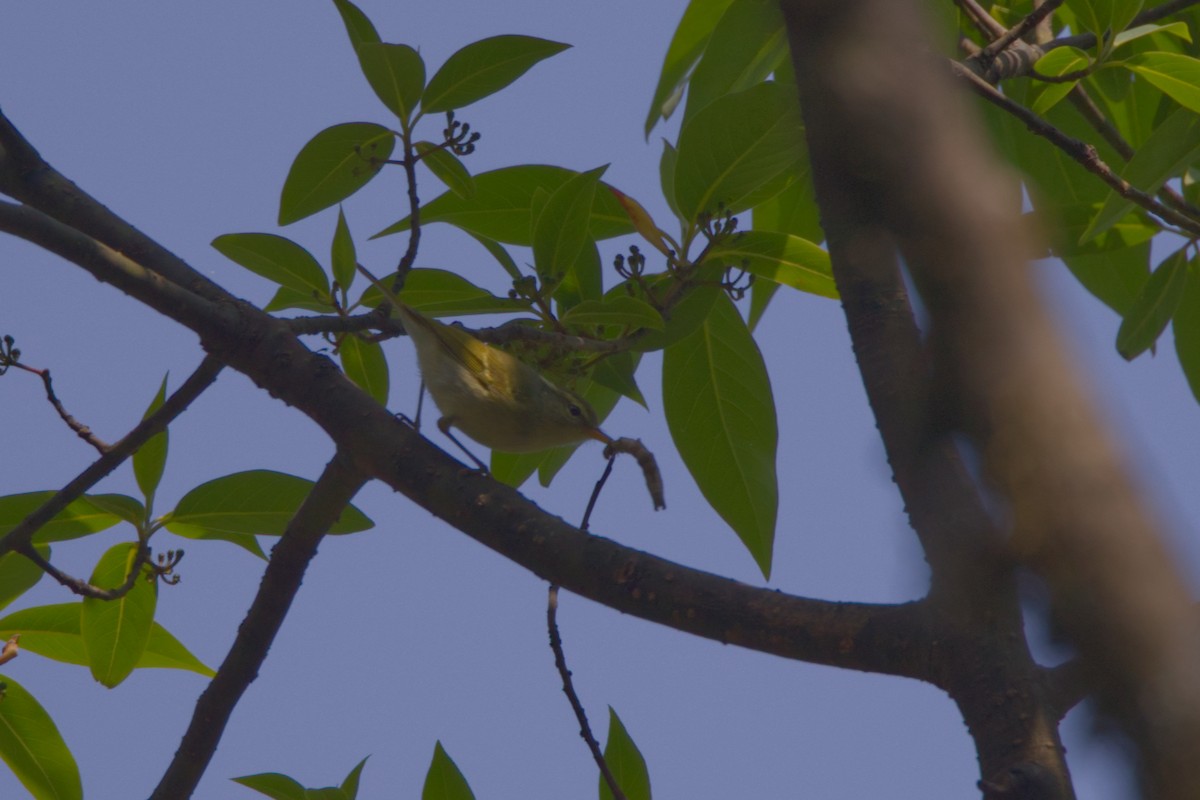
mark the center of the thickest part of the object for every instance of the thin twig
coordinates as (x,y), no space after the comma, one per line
(1021,28)
(82,587)
(21,536)
(560,661)
(608,468)
(81,430)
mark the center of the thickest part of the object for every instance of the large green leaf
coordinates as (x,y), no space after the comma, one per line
(54,632)
(115,632)
(746,46)
(359,28)
(616,309)
(277,259)
(1186,328)
(18,574)
(1056,63)
(151,458)
(1176,74)
(483,68)
(444,780)
(254,503)
(396,73)
(80,518)
(560,230)
(780,257)
(625,762)
(365,364)
(439,293)
(274,785)
(719,407)
(737,151)
(34,749)
(1172,146)
(684,51)
(501,207)
(333,165)
(1154,306)
(1113,276)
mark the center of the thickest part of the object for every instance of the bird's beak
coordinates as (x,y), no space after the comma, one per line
(600,435)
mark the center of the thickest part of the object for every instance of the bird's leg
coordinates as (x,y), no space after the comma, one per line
(444,426)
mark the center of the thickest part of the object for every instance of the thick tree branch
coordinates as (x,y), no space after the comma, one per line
(883,112)
(280,582)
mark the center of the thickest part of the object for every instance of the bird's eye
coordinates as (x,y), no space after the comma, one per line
(574,409)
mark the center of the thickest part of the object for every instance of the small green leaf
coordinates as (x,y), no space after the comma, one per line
(562,227)
(258,502)
(333,165)
(686,46)
(447,168)
(1113,276)
(342,255)
(124,506)
(760,297)
(1154,306)
(643,223)
(1179,29)
(666,175)
(737,151)
(1059,61)
(583,280)
(500,209)
(1173,145)
(617,373)
(747,45)
(290,298)
(115,632)
(1174,73)
(34,749)
(483,68)
(396,73)
(277,259)
(358,26)
(439,293)
(444,780)
(18,574)
(782,258)
(1186,328)
(350,782)
(625,762)
(151,458)
(683,320)
(365,364)
(615,310)
(500,254)
(54,632)
(80,518)
(719,407)
(274,785)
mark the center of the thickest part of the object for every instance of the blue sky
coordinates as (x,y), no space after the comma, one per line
(184,119)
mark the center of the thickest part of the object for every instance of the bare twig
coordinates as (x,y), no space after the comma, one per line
(645,460)
(1021,28)
(591,504)
(81,430)
(585,730)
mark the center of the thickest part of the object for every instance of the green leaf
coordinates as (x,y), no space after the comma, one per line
(258,502)
(1173,145)
(34,749)
(617,373)
(615,310)
(1104,17)
(761,294)
(483,68)
(342,255)
(1186,328)
(328,793)
(683,320)
(289,298)
(719,407)
(115,632)
(80,518)
(501,206)
(333,165)
(1058,62)
(625,762)
(500,254)
(1113,276)
(794,210)
(365,364)
(666,175)
(18,575)
(643,223)
(684,51)
(358,26)
(54,632)
(439,293)
(124,506)
(747,45)
(396,73)
(1179,29)
(1154,306)
(350,782)
(780,257)
(444,781)
(561,229)
(446,167)
(1174,73)
(151,458)
(273,785)
(583,280)
(277,259)
(738,151)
